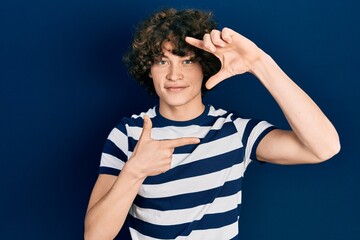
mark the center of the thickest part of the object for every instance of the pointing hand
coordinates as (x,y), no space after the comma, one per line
(152,157)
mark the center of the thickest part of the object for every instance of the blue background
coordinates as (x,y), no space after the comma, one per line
(63,88)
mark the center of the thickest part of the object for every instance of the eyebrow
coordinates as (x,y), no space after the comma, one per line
(190,54)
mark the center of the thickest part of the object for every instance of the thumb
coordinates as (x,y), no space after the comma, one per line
(216,79)
(146,132)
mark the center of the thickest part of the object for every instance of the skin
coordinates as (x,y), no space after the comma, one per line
(177,81)
(312,138)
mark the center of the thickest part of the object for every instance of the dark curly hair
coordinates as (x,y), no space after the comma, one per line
(170,25)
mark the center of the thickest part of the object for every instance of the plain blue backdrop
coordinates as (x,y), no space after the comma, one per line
(63,88)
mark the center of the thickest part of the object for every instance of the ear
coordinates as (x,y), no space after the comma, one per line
(150,76)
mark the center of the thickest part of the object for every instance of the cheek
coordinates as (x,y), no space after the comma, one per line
(156,83)
(156,86)
(157,73)
(154,76)
(198,71)
(197,77)
(151,72)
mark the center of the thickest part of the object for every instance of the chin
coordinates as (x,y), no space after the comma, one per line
(177,102)
(180,100)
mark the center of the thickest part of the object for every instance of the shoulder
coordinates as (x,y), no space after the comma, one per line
(226,115)
(217,112)
(137,119)
(245,126)
(134,121)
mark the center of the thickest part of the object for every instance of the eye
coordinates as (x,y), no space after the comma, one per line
(187,61)
(161,62)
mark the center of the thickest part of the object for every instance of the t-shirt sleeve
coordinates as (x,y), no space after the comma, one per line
(114,154)
(252,132)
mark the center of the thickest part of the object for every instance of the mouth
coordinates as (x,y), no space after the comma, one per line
(175,88)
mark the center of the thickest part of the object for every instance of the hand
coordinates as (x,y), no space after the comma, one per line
(237,54)
(152,157)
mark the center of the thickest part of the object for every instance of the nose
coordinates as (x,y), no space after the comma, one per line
(174,73)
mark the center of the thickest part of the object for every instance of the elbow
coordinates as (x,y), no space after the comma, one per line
(94,232)
(87,233)
(328,152)
(91,235)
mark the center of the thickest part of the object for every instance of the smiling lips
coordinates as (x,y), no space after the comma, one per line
(175,88)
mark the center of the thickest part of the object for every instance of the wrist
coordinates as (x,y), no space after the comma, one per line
(265,68)
(132,172)
(259,66)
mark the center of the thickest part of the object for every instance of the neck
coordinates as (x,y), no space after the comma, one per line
(181,113)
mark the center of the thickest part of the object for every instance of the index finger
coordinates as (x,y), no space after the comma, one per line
(196,42)
(178,142)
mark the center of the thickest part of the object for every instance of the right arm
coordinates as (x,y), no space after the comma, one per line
(113,196)
(109,204)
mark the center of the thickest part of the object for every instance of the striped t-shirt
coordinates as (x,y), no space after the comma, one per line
(200,196)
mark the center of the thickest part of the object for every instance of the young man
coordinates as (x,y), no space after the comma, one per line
(176,170)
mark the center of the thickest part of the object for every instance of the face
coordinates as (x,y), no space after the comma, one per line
(177,80)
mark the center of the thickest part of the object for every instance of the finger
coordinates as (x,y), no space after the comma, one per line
(173,143)
(216,38)
(146,132)
(208,44)
(227,34)
(199,43)
(195,42)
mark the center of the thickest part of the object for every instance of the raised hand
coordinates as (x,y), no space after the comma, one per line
(152,157)
(237,54)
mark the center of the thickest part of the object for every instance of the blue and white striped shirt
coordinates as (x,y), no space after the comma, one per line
(200,196)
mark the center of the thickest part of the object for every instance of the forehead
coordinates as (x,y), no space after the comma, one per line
(168,47)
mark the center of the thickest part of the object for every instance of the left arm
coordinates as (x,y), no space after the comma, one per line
(312,139)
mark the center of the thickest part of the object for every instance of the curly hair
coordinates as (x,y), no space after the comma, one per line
(170,25)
